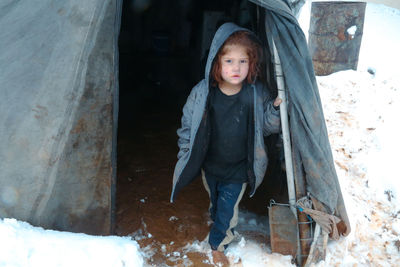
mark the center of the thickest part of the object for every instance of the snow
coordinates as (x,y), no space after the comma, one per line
(352,30)
(23,245)
(246,249)
(380,41)
(358,109)
(361,111)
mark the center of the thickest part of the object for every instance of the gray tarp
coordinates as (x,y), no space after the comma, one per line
(311,149)
(57,85)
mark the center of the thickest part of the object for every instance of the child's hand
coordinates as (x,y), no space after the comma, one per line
(277,102)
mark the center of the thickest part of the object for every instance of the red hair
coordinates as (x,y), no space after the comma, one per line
(253,50)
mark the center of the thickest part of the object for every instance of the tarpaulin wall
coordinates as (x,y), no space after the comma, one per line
(58,112)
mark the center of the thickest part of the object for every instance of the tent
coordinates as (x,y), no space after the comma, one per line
(59,111)
(58,107)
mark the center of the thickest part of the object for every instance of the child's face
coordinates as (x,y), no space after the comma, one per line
(234,66)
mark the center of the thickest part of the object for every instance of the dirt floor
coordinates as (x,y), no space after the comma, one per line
(147,149)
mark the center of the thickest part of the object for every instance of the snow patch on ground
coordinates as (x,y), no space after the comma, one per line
(358,110)
(246,250)
(23,245)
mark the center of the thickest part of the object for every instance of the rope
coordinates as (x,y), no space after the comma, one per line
(326,221)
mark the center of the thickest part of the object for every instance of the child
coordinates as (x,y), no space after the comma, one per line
(224,120)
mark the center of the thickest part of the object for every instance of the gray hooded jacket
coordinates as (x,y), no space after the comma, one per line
(195,131)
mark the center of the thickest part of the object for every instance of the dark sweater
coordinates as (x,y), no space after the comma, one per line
(226,158)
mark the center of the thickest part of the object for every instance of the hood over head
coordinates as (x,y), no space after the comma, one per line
(223,33)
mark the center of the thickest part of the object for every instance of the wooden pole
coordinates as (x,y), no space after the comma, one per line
(286,141)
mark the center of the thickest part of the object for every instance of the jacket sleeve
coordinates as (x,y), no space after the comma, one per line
(272,120)
(186,124)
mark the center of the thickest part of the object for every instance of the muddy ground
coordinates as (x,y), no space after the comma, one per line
(147,149)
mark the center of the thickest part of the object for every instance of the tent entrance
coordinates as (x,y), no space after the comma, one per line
(163,46)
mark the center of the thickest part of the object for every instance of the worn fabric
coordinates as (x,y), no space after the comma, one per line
(313,160)
(328,222)
(224,210)
(226,158)
(59,113)
(195,130)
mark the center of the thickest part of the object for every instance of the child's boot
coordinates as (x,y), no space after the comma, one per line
(219,259)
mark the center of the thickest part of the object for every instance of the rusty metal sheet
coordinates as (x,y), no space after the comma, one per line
(335,35)
(283,230)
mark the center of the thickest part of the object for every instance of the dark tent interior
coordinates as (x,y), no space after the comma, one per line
(162,53)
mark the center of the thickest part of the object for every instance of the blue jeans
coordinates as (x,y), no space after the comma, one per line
(224,210)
